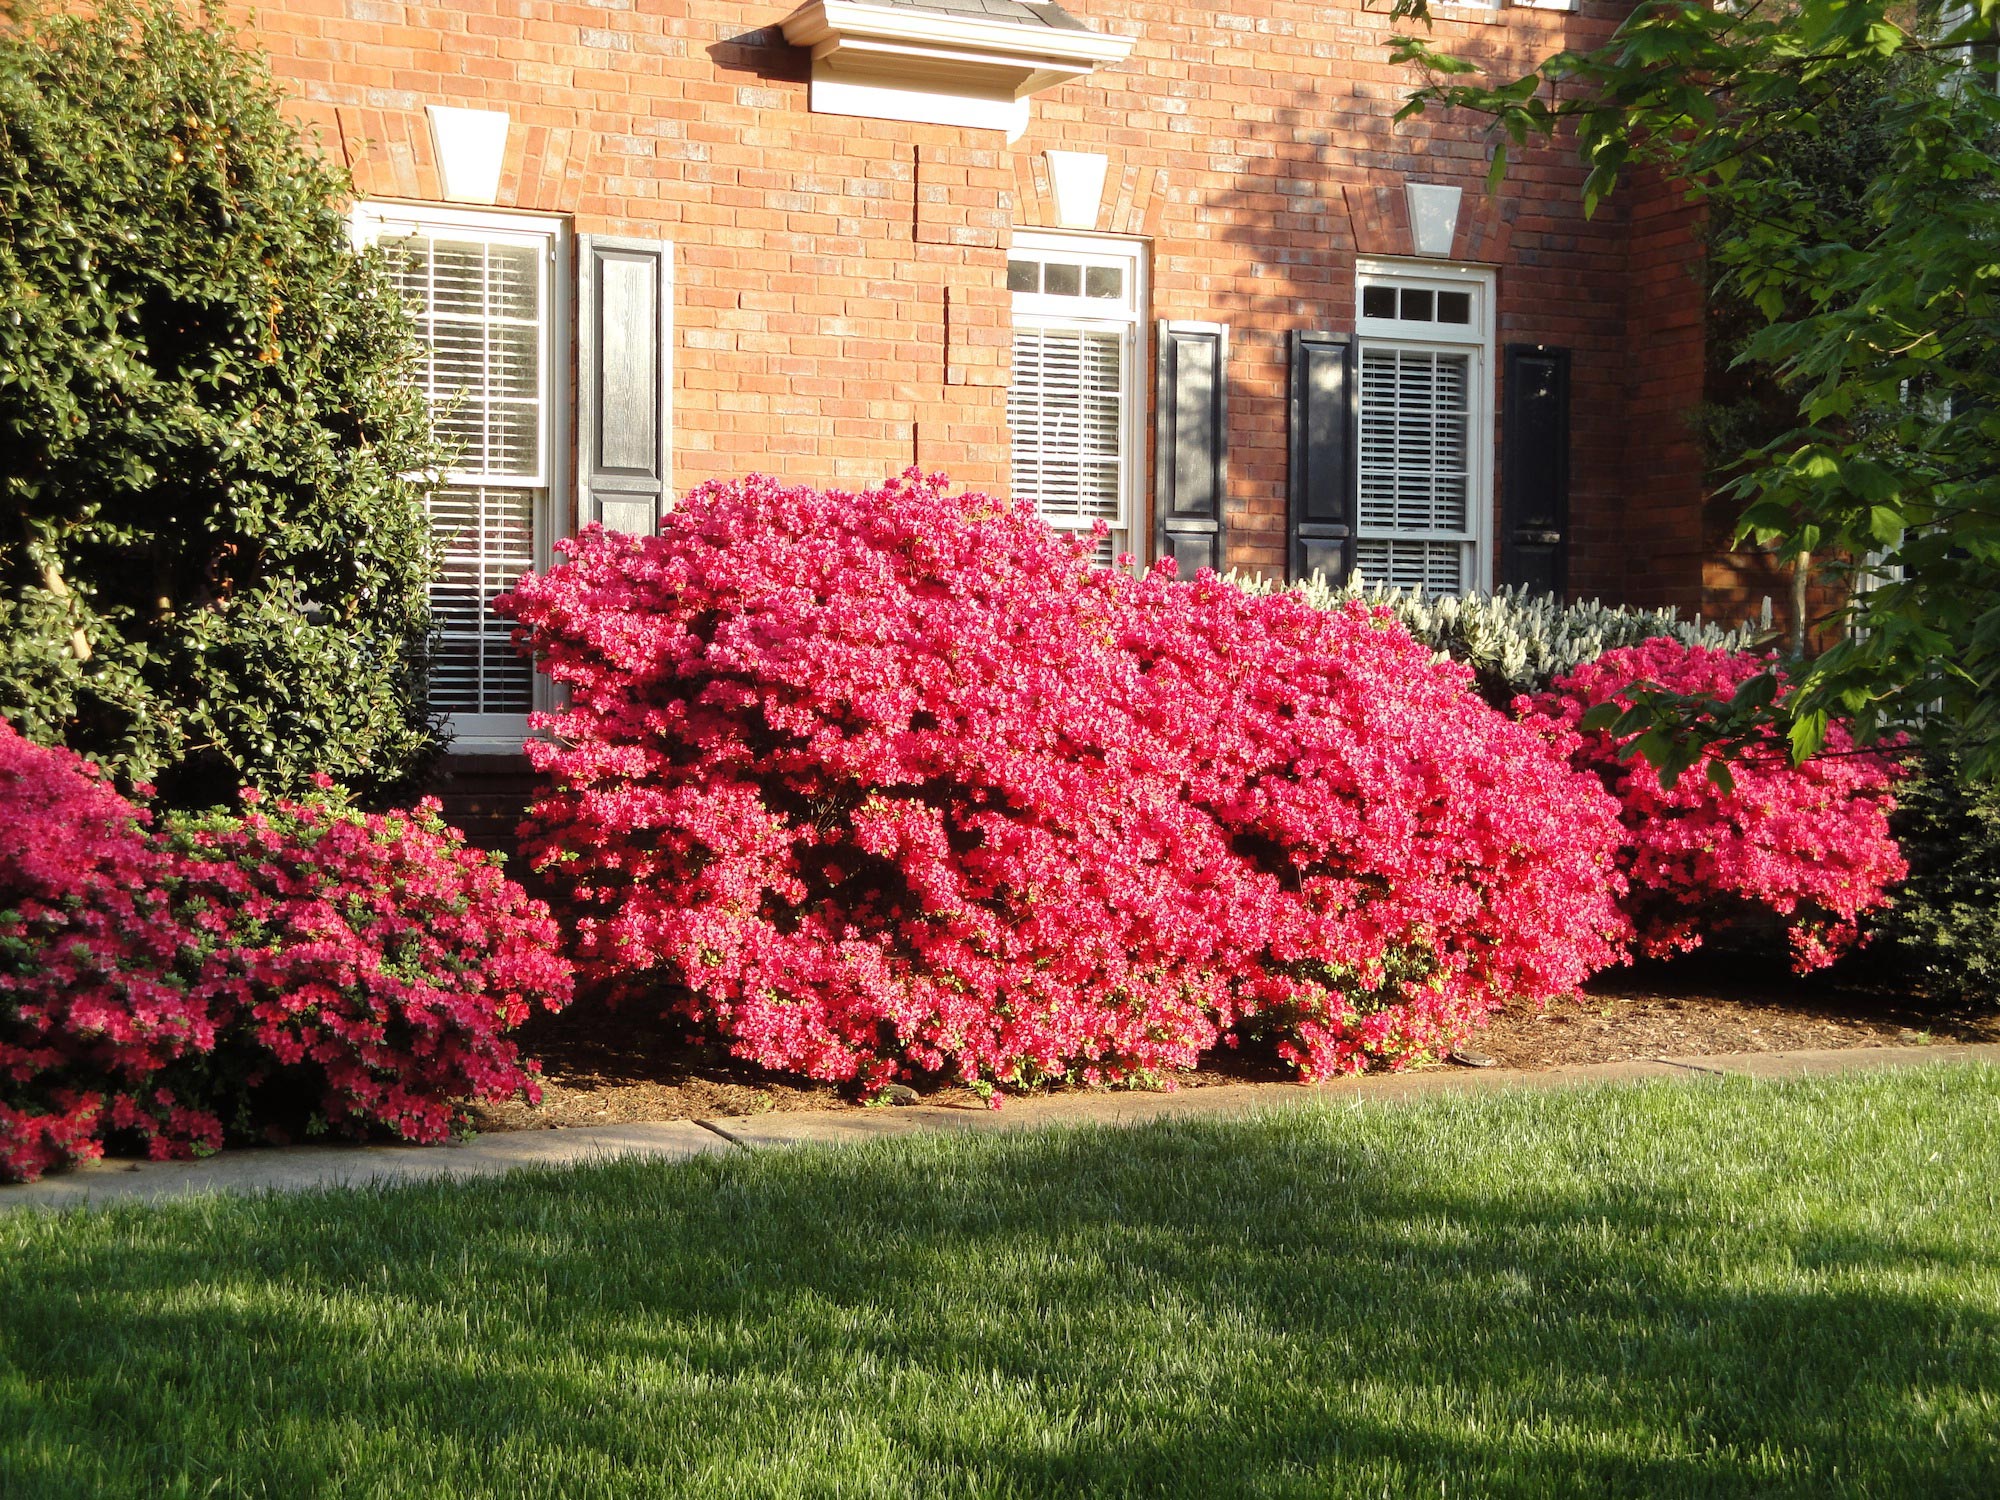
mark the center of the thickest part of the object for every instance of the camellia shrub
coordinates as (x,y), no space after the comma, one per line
(1807,845)
(213,547)
(297,964)
(897,782)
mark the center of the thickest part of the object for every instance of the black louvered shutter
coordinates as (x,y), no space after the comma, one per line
(1190,469)
(1534,469)
(1320,498)
(625,392)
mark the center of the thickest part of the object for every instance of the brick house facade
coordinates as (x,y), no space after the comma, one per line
(1171,267)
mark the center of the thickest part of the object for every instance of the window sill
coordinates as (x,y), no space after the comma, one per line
(463,756)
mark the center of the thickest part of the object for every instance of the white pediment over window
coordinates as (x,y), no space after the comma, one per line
(944,62)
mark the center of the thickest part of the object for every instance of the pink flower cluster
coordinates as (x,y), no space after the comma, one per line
(91,1008)
(1806,845)
(305,959)
(369,962)
(896,782)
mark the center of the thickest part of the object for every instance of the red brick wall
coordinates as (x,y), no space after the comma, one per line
(1664,535)
(1736,582)
(840,307)
(485,796)
(1258,152)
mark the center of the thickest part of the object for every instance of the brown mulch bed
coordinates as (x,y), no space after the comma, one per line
(602,1068)
(1694,1010)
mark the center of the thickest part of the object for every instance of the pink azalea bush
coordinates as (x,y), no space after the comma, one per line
(304,959)
(369,963)
(896,783)
(91,1006)
(1807,845)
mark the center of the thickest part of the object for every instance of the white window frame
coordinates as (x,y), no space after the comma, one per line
(1475,339)
(1489,10)
(1096,315)
(1950,17)
(371,221)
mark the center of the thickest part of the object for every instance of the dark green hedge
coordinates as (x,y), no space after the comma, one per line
(1944,931)
(211,569)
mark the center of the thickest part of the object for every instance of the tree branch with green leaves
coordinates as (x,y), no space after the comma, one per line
(1880,308)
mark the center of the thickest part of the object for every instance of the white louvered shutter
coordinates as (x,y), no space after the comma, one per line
(481,306)
(1415,502)
(1066,410)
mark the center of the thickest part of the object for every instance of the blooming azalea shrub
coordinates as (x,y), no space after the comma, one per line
(1808,845)
(898,783)
(93,1007)
(370,964)
(1414,857)
(226,972)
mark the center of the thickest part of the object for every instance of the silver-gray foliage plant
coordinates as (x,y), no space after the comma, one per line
(1516,640)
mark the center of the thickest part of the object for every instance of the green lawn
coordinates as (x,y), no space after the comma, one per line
(1713,1288)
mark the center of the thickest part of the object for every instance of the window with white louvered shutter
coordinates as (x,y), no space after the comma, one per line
(1424,450)
(1072,402)
(482,296)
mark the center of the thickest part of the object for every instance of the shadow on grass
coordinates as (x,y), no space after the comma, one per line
(1309,1304)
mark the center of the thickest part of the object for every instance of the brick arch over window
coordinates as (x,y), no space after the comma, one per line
(1378,213)
(1133,196)
(390,154)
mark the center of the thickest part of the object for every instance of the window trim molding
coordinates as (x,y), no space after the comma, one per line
(1483,382)
(1473,12)
(504,734)
(1129,313)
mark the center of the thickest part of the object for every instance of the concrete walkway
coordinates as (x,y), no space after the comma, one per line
(296,1168)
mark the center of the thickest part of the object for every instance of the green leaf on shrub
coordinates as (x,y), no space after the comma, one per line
(1756,692)
(1808,733)
(1601,716)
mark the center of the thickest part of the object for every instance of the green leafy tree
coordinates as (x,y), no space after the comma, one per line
(213,556)
(1880,309)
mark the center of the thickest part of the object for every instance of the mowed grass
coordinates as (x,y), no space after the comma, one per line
(1718,1288)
